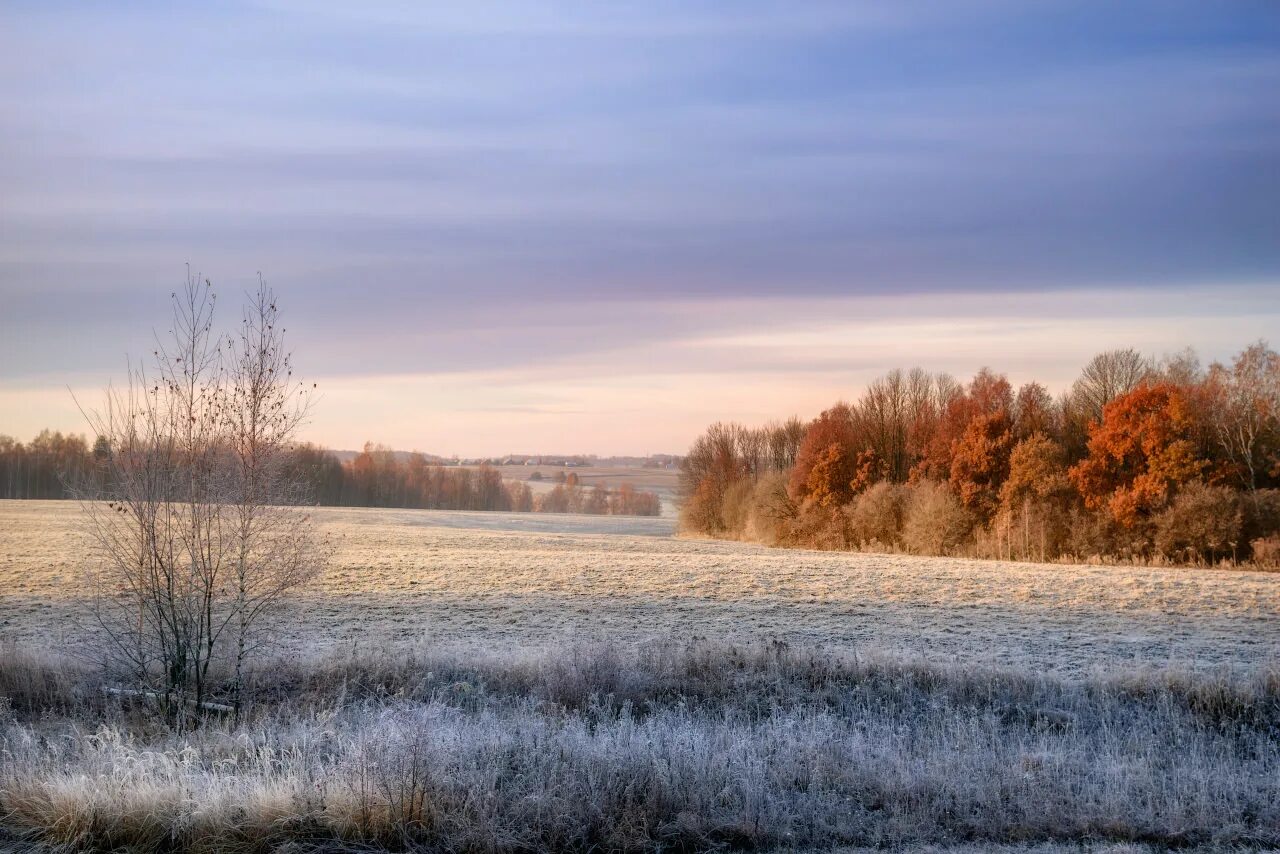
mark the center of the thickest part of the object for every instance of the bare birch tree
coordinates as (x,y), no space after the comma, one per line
(190,547)
(154,516)
(1246,417)
(276,547)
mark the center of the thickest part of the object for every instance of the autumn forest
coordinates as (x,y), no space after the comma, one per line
(1138,461)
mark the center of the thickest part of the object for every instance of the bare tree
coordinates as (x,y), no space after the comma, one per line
(1107,376)
(882,418)
(783,440)
(159,534)
(1182,368)
(1246,417)
(928,397)
(188,508)
(276,547)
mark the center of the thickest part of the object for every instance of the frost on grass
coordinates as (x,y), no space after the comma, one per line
(415,576)
(655,747)
(454,687)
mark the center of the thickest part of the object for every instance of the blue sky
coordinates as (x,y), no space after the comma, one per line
(595,226)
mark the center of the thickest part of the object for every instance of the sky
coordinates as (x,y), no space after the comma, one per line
(597,227)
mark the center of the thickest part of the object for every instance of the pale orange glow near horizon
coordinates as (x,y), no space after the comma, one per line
(749,360)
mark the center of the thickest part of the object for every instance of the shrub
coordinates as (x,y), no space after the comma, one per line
(629,501)
(1203,523)
(1266,550)
(936,523)
(1261,529)
(735,507)
(700,511)
(1262,514)
(817,527)
(877,515)
(772,510)
(1095,535)
(521,497)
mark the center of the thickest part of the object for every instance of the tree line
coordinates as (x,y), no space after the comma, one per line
(1140,460)
(380,477)
(45,466)
(50,465)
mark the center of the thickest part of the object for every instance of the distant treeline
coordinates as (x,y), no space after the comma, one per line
(379,477)
(1139,460)
(42,467)
(376,477)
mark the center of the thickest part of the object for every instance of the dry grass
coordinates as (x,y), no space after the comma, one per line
(660,747)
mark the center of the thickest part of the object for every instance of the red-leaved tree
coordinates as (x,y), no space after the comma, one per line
(1139,454)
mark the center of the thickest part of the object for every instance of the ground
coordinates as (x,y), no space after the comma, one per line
(409,576)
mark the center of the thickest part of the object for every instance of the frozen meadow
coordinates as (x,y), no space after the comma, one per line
(500,579)
(505,682)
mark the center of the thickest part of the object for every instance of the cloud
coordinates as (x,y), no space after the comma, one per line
(459,189)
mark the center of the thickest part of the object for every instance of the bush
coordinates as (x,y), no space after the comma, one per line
(772,510)
(735,507)
(819,527)
(936,523)
(1262,526)
(700,511)
(1262,514)
(1266,550)
(1203,523)
(876,516)
(1095,535)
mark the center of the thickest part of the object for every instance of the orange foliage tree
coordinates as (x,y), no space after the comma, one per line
(1139,454)
(1034,412)
(980,462)
(987,394)
(827,462)
(1036,497)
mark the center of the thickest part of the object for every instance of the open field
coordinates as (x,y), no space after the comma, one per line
(410,576)
(664,482)
(524,682)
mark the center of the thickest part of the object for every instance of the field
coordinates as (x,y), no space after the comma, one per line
(662,481)
(511,682)
(414,576)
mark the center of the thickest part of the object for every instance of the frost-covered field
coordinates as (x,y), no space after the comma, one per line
(503,682)
(660,747)
(407,576)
